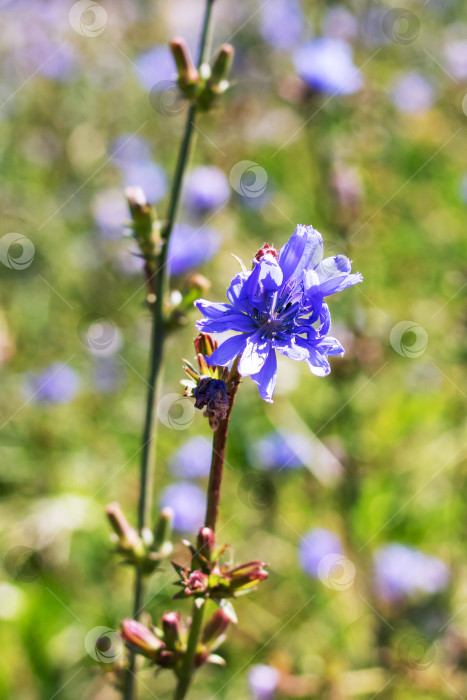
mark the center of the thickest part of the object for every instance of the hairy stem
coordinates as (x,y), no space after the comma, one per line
(156,353)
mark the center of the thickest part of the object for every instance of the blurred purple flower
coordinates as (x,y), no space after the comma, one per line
(155,66)
(206,188)
(464,189)
(339,23)
(188,503)
(192,460)
(147,175)
(326,65)
(108,375)
(58,383)
(281,23)
(314,546)
(413,94)
(191,247)
(128,149)
(403,572)
(455,53)
(110,211)
(277,451)
(263,681)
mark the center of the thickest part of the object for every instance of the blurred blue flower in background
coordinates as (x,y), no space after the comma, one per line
(403,572)
(155,66)
(206,188)
(128,149)
(263,681)
(149,176)
(188,503)
(58,383)
(314,546)
(326,65)
(108,375)
(413,94)
(339,23)
(463,189)
(191,247)
(277,451)
(192,460)
(281,23)
(455,53)
(110,211)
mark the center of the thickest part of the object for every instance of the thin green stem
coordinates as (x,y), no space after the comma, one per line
(186,671)
(156,354)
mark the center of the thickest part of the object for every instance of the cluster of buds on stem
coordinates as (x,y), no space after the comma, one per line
(209,385)
(207,577)
(166,646)
(204,85)
(145,550)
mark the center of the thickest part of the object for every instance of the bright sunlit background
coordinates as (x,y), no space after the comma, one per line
(362,134)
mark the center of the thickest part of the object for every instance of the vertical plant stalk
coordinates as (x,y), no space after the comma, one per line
(157,349)
(219,443)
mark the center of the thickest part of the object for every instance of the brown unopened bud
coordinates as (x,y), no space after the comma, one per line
(205,344)
(171,624)
(141,638)
(216,626)
(187,73)
(206,542)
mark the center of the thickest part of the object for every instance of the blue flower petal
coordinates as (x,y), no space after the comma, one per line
(303,250)
(228,351)
(266,379)
(254,355)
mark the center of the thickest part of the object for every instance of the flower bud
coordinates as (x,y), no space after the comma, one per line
(205,344)
(221,67)
(163,529)
(199,282)
(187,73)
(206,542)
(216,626)
(141,638)
(128,537)
(212,394)
(171,625)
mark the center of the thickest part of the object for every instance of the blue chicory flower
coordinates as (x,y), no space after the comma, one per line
(193,459)
(339,23)
(314,546)
(402,572)
(58,383)
(149,176)
(276,451)
(326,65)
(279,306)
(188,503)
(206,188)
(154,67)
(281,23)
(263,681)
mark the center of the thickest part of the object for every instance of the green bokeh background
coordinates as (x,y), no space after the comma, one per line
(395,423)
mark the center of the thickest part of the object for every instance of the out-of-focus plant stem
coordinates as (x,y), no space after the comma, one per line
(157,349)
